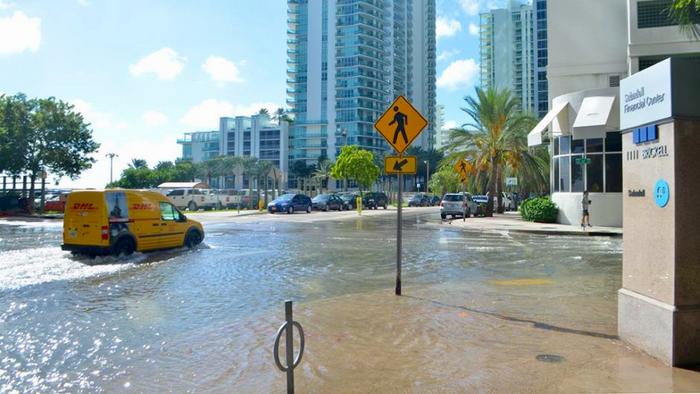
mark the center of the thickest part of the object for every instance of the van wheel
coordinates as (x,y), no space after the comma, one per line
(192,206)
(290,210)
(124,247)
(193,239)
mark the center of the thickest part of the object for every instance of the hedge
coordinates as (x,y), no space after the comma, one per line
(539,209)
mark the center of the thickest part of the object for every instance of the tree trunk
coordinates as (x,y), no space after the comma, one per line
(499,180)
(30,200)
(492,188)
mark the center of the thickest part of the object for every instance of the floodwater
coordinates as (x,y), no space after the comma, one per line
(481,311)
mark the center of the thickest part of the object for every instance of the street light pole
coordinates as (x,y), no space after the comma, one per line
(427,174)
(344,133)
(111,159)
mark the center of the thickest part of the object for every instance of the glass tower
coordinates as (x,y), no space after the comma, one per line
(507,52)
(347,60)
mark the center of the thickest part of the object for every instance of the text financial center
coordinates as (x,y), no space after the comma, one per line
(641,101)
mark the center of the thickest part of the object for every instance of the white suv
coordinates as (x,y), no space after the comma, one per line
(194,199)
(453,204)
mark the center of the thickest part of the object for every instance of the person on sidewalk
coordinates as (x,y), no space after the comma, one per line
(585,203)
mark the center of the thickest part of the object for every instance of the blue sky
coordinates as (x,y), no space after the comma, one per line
(145,72)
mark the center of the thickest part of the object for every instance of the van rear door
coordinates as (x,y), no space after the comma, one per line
(85,219)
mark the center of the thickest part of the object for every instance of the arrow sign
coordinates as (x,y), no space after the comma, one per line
(400,164)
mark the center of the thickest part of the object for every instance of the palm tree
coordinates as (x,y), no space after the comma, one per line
(138,163)
(322,173)
(687,14)
(495,140)
(264,112)
(248,165)
(262,172)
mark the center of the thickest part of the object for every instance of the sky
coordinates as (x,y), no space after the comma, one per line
(143,73)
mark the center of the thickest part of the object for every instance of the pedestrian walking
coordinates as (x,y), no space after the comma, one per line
(585,217)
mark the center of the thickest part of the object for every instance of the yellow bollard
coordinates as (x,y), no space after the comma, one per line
(358,203)
(261,205)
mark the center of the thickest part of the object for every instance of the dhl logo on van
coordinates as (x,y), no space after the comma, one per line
(83,206)
(139,206)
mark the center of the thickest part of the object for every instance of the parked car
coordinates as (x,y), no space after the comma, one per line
(453,204)
(326,202)
(507,203)
(290,203)
(56,203)
(481,201)
(419,200)
(194,199)
(123,221)
(230,198)
(374,200)
(349,200)
(435,200)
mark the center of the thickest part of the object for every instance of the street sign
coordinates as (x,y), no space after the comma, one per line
(400,164)
(462,167)
(400,124)
(583,160)
(511,181)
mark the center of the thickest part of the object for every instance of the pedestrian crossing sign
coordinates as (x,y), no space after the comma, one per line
(400,124)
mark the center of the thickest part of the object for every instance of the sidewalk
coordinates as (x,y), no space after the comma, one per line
(511,221)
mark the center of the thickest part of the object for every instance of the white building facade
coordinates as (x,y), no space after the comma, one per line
(241,136)
(592,46)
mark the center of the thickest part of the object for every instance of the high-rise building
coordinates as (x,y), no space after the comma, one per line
(347,60)
(541,58)
(507,51)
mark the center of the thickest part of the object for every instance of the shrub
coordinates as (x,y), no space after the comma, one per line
(539,209)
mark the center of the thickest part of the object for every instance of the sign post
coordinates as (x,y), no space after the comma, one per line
(462,167)
(400,125)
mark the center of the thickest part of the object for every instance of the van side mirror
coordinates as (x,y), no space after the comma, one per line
(182,218)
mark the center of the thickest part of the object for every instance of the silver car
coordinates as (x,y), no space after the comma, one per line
(453,204)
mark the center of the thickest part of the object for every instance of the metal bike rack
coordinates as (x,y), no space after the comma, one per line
(292,362)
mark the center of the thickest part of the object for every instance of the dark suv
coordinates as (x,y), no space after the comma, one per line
(374,200)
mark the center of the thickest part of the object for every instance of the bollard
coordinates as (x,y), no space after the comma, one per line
(288,328)
(358,204)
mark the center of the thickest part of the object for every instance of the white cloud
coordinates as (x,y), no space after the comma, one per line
(4,5)
(459,74)
(19,33)
(205,115)
(471,7)
(84,3)
(445,55)
(98,120)
(449,125)
(445,27)
(165,63)
(473,29)
(154,118)
(221,69)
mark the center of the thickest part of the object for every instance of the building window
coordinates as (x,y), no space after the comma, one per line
(594,174)
(594,145)
(613,142)
(564,180)
(613,173)
(653,13)
(577,174)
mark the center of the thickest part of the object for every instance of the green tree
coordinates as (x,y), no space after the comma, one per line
(445,180)
(248,164)
(47,136)
(355,163)
(495,139)
(687,14)
(300,171)
(262,174)
(264,112)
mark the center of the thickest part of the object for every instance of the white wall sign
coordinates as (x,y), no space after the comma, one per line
(645,97)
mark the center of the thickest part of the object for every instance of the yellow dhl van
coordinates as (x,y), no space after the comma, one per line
(116,221)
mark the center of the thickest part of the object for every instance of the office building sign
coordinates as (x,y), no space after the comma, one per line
(645,97)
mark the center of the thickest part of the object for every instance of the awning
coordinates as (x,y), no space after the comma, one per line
(593,118)
(534,138)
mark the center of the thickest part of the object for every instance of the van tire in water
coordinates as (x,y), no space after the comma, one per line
(124,247)
(193,239)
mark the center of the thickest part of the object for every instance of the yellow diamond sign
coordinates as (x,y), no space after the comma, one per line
(400,124)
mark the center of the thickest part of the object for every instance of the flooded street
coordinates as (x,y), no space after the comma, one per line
(486,311)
